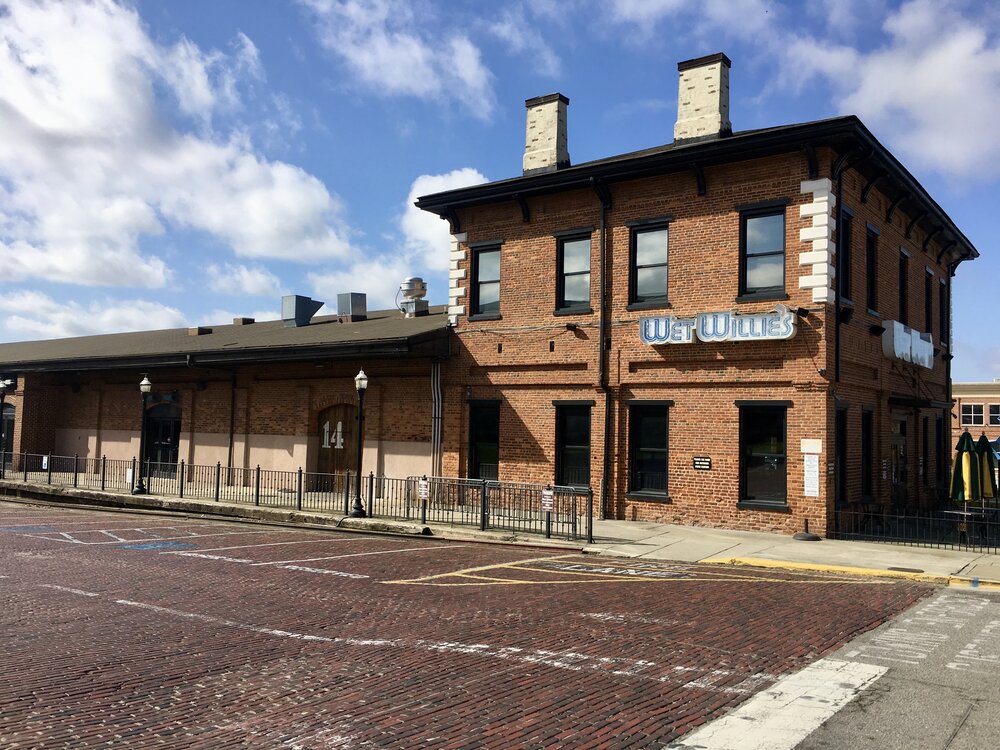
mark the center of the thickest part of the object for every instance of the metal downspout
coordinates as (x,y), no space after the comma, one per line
(232,419)
(604,196)
(436,418)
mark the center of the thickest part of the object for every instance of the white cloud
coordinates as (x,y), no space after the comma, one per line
(738,18)
(933,87)
(424,234)
(92,160)
(388,46)
(40,316)
(524,38)
(235,278)
(378,278)
(225,317)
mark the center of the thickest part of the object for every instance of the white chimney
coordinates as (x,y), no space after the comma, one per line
(545,135)
(703,98)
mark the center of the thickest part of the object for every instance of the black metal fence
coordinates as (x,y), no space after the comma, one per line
(967,528)
(566,512)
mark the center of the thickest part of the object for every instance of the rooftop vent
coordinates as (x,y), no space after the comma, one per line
(413,289)
(198,331)
(352,306)
(297,310)
(545,147)
(703,98)
(243,321)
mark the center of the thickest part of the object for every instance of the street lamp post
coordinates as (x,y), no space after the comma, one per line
(4,385)
(144,388)
(361,384)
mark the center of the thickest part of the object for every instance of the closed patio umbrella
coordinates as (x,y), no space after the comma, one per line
(965,479)
(987,467)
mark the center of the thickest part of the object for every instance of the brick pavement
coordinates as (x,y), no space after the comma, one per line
(214,635)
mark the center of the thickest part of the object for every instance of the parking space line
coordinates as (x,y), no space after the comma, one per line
(159,539)
(275,544)
(68,590)
(361,554)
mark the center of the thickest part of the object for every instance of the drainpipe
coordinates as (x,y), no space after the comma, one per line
(604,196)
(232,419)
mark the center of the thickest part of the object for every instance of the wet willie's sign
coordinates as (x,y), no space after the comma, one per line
(718,326)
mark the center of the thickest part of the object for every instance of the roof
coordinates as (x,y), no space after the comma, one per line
(385,333)
(848,136)
(976,389)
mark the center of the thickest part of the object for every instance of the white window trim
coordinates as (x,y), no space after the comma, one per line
(972,416)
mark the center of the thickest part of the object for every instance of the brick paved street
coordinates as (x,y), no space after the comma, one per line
(133,631)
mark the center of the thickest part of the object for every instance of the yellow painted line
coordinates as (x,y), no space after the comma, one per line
(758,562)
(967,582)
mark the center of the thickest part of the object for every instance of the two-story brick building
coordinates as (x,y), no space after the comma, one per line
(737,329)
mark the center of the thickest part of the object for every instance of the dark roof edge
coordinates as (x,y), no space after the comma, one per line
(737,147)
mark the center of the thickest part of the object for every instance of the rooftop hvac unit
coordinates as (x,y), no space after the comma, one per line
(413,290)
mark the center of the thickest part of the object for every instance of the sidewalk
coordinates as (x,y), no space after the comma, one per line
(626,539)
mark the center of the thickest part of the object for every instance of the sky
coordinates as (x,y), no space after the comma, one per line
(165,164)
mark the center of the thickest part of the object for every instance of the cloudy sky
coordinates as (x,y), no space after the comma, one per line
(174,163)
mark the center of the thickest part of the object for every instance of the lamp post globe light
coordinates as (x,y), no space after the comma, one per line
(361,385)
(144,388)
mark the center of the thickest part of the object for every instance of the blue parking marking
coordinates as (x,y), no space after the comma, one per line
(27,529)
(157,545)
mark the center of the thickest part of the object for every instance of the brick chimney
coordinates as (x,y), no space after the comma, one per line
(545,135)
(703,99)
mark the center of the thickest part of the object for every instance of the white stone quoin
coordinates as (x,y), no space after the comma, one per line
(545,143)
(818,239)
(703,98)
(455,289)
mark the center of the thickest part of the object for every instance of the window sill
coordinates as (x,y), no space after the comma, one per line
(759,505)
(874,314)
(485,316)
(650,305)
(776,296)
(573,311)
(652,497)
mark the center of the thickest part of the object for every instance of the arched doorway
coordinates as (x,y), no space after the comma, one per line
(163,432)
(338,439)
(7,433)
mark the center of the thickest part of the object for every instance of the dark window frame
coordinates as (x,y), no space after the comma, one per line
(747,409)
(563,411)
(475,313)
(867,455)
(925,450)
(944,317)
(992,415)
(970,421)
(871,268)
(939,467)
(929,301)
(653,410)
(561,240)
(474,463)
(748,214)
(633,284)
(904,287)
(844,249)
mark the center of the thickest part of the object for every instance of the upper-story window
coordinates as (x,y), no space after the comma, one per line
(871,268)
(943,319)
(904,286)
(994,414)
(929,300)
(573,273)
(972,414)
(485,281)
(648,282)
(844,255)
(762,251)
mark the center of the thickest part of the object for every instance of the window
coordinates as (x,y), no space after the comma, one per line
(762,252)
(972,414)
(929,301)
(648,283)
(904,297)
(486,281)
(844,255)
(840,436)
(939,458)
(648,449)
(871,266)
(573,444)
(943,321)
(925,451)
(994,414)
(484,439)
(762,455)
(867,433)
(573,273)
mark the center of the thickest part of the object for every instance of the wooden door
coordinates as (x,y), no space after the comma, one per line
(338,439)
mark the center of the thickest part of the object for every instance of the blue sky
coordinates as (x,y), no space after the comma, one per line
(173,163)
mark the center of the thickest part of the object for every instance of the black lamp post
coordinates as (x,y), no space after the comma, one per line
(361,384)
(144,388)
(4,385)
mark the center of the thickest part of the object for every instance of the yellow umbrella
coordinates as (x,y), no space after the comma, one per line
(965,484)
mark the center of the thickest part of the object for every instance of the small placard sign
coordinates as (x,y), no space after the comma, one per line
(547,499)
(422,489)
(702,463)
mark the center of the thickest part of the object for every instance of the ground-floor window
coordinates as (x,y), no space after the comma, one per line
(573,444)
(484,439)
(763,453)
(867,456)
(842,478)
(648,449)
(925,451)
(7,429)
(939,452)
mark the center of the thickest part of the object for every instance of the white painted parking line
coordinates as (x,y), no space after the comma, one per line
(324,571)
(155,539)
(68,590)
(276,544)
(361,554)
(780,717)
(216,557)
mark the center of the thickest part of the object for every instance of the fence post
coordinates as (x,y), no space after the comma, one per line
(3,463)
(347,492)
(256,486)
(24,465)
(181,488)
(48,463)
(298,491)
(218,479)
(133,474)
(423,502)
(371,494)
(548,519)
(590,515)
(76,468)
(482,506)
(104,471)
(573,525)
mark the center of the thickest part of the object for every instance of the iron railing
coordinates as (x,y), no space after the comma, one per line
(486,504)
(968,528)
